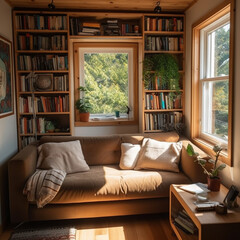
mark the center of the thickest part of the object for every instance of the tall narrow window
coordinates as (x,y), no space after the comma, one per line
(212,80)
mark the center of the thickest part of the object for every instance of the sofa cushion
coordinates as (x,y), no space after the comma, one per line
(109,183)
(159,155)
(129,155)
(66,156)
(100,150)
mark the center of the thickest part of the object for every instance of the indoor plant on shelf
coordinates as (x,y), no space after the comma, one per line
(162,65)
(83,105)
(212,173)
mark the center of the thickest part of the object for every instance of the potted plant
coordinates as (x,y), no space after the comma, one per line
(164,66)
(212,173)
(83,105)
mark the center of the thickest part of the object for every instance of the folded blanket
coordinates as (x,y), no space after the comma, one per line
(43,186)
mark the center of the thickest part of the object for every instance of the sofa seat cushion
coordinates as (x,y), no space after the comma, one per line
(109,183)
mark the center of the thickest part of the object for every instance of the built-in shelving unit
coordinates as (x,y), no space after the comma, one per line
(41,41)
(162,108)
(41,48)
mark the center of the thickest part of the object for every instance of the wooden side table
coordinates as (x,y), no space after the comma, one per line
(210,225)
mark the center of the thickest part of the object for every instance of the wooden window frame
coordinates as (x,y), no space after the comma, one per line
(134,46)
(227,6)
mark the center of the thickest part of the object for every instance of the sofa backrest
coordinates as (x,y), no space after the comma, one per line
(104,150)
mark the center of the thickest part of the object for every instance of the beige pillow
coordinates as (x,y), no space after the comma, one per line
(159,155)
(65,156)
(129,155)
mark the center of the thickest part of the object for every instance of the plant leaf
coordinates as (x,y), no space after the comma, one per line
(221,167)
(202,161)
(190,150)
(211,161)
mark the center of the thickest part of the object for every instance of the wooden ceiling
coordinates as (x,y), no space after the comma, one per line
(106,5)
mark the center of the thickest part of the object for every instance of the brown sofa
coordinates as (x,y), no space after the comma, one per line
(105,190)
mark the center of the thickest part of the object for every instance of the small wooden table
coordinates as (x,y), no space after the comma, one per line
(210,225)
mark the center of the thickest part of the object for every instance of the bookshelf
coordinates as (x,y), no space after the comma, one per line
(41,47)
(163,106)
(102,24)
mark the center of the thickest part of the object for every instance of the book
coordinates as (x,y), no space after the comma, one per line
(194,188)
(191,230)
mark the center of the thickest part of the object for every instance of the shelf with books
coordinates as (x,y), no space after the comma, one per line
(42,42)
(163,100)
(164,22)
(106,24)
(162,120)
(41,49)
(162,33)
(164,43)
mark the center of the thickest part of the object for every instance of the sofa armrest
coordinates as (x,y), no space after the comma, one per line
(188,165)
(20,168)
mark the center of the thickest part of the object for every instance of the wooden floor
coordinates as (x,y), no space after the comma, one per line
(143,227)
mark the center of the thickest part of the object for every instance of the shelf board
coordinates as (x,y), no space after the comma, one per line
(46,134)
(170,52)
(163,33)
(111,37)
(44,92)
(152,91)
(170,15)
(42,51)
(152,131)
(42,71)
(47,113)
(163,110)
(40,31)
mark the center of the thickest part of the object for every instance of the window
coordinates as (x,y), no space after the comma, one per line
(212,81)
(108,72)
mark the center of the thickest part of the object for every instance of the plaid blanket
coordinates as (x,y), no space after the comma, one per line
(43,186)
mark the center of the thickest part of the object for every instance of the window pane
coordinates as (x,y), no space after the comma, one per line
(106,78)
(215,109)
(218,45)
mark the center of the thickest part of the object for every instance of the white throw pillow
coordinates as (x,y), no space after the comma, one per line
(159,155)
(65,156)
(129,155)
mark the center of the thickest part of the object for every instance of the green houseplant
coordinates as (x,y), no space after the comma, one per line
(164,66)
(83,105)
(213,170)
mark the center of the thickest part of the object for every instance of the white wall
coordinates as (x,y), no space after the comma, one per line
(8,129)
(230,175)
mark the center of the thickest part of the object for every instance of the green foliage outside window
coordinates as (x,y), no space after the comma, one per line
(106,79)
(221,90)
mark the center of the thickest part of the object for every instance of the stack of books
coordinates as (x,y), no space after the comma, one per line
(184,222)
(111,28)
(90,28)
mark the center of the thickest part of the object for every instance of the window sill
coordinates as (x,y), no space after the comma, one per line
(106,123)
(207,148)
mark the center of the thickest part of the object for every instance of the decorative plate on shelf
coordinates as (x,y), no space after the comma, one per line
(44,82)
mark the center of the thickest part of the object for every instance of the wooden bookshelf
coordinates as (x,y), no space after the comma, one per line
(102,24)
(41,46)
(163,33)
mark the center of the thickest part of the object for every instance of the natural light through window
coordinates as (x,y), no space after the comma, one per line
(214,80)
(108,77)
